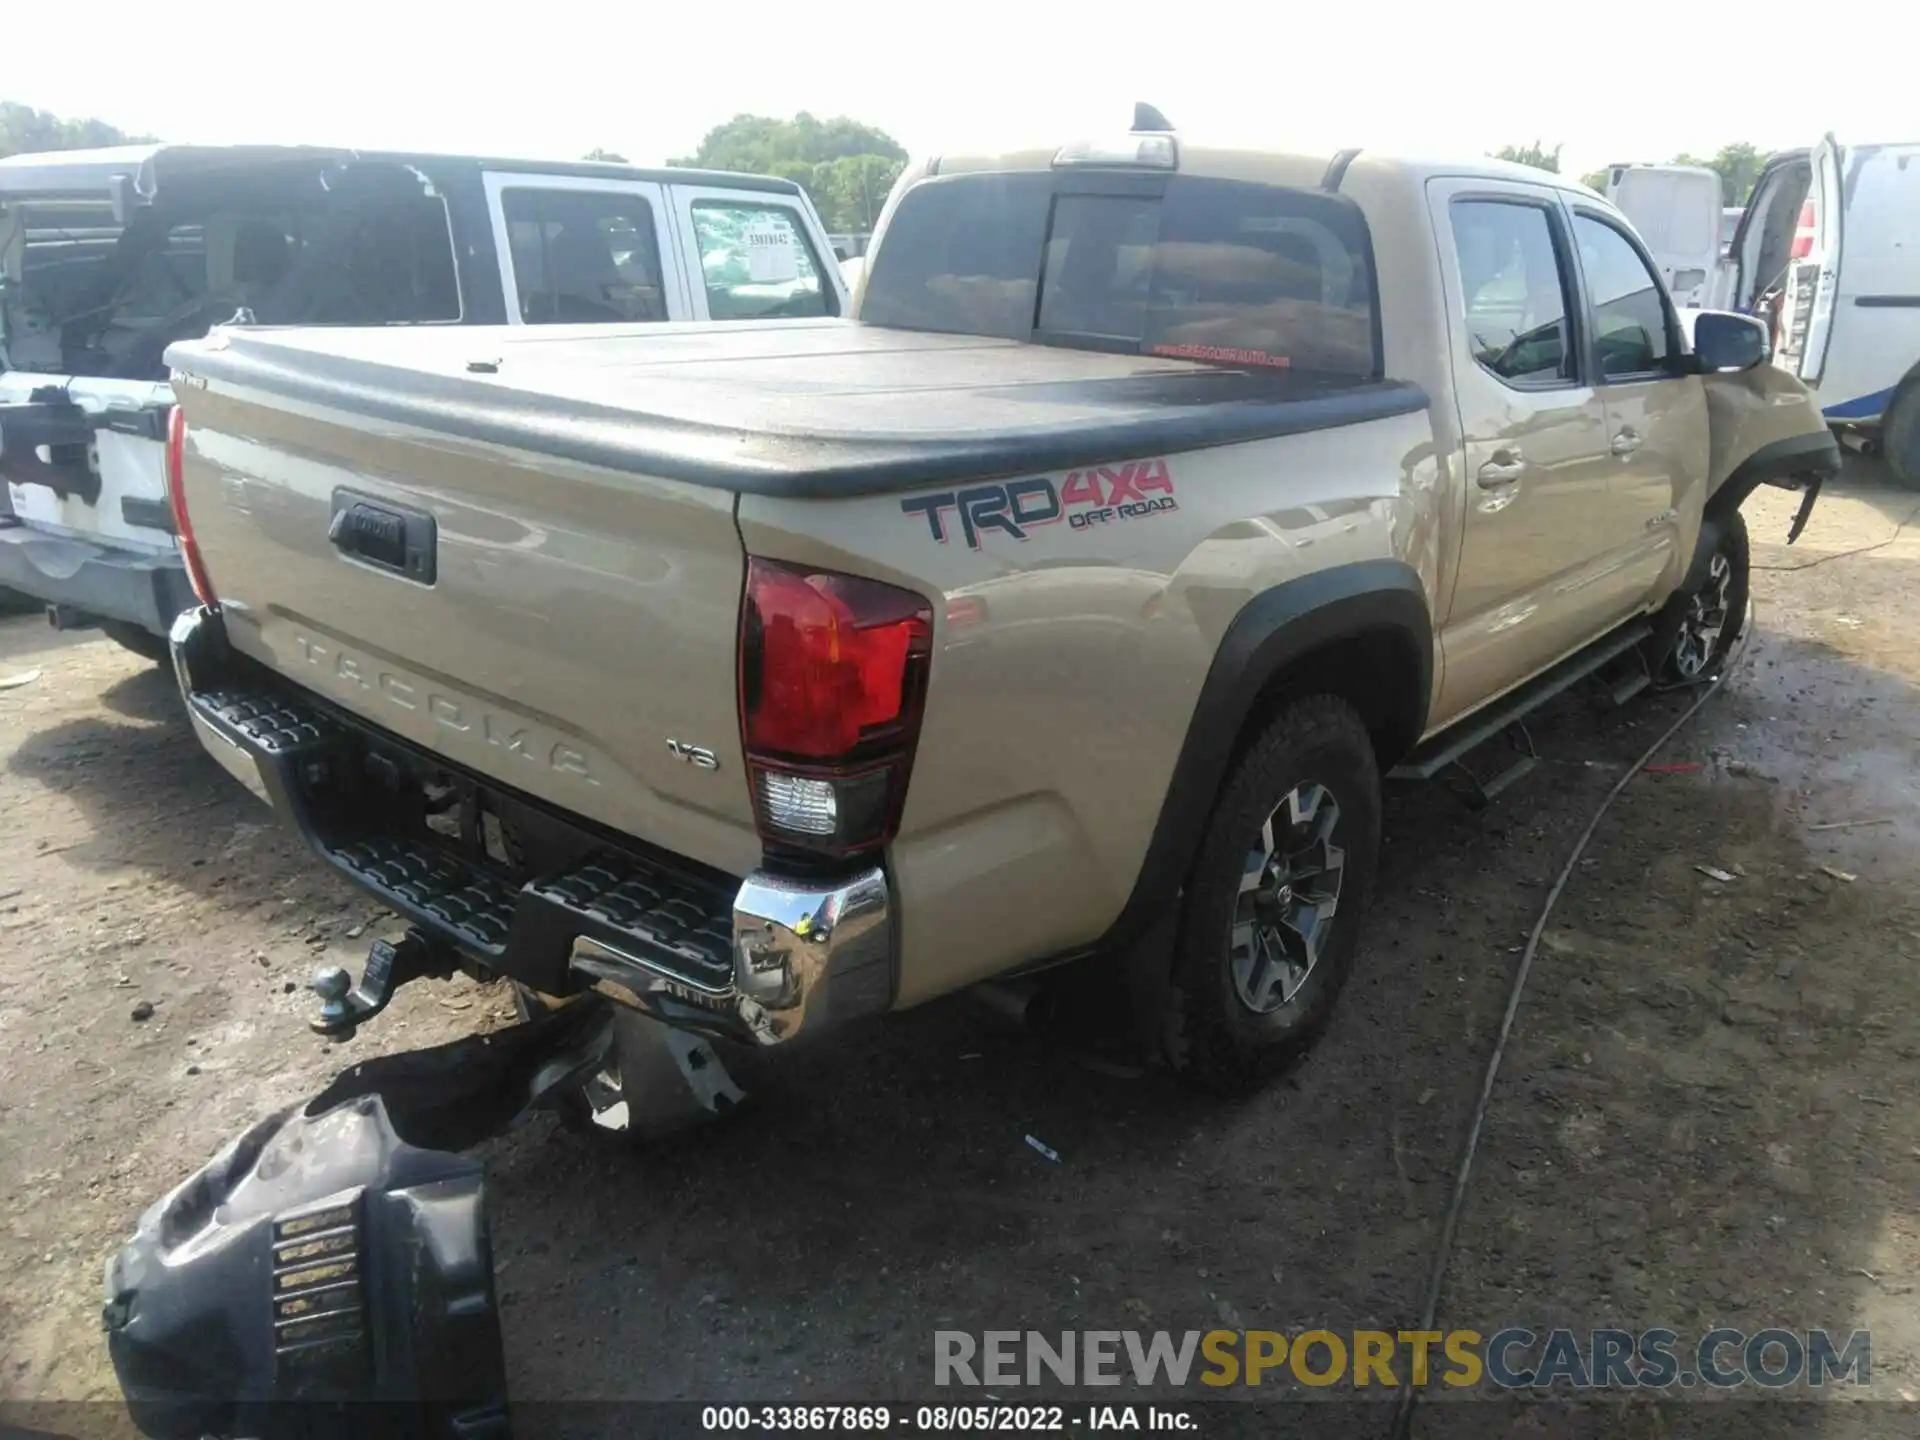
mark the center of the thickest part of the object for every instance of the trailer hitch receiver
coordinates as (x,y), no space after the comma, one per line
(345,1006)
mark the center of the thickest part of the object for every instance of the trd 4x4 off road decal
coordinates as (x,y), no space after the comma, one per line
(1095,496)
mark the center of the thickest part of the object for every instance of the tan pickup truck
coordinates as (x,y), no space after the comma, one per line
(1070,603)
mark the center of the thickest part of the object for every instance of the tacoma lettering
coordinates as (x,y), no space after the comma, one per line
(499,732)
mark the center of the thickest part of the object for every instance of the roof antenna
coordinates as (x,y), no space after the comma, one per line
(1146,118)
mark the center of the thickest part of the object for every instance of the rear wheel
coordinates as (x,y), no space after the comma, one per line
(1900,435)
(1271,914)
(138,639)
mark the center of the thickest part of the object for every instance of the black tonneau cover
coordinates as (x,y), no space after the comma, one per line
(821,408)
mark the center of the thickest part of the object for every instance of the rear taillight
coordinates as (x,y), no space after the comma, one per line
(833,672)
(177,502)
(1803,233)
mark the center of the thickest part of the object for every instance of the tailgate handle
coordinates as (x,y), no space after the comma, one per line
(390,537)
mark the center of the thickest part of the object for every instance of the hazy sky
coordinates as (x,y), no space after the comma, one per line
(1613,81)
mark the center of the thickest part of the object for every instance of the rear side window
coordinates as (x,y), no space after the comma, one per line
(583,256)
(1217,270)
(756,263)
(1513,291)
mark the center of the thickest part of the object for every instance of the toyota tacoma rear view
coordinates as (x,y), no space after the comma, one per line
(1068,603)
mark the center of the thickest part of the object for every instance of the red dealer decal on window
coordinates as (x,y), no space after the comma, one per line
(1099,495)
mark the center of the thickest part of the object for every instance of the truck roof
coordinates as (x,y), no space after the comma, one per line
(1300,168)
(82,172)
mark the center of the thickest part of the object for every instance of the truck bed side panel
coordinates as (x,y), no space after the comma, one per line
(1067,662)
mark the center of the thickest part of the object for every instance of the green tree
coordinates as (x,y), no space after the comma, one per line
(608,157)
(25,130)
(846,167)
(1595,180)
(1536,155)
(1738,166)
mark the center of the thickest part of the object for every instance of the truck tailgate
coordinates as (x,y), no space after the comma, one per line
(550,624)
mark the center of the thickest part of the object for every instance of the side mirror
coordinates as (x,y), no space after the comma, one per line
(1724,343)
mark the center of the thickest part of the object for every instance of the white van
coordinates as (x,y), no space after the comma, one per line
(1828,252)
(1677,210)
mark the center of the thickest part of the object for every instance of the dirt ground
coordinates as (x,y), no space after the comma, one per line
(1709,1113)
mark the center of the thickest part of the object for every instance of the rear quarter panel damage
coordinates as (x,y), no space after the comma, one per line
(1076,613)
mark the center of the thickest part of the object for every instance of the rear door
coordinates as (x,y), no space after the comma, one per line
(1813,281)
(582,250)
(1538,470)
(754,256)
(84,456)
(1656,416)
(102,474)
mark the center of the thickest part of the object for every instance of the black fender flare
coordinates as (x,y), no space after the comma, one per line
(1273,630)
(1815,453)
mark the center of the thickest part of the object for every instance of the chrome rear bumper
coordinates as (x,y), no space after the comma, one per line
(805,957)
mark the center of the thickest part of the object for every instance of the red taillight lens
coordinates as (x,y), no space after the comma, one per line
(1803,233)
(833,669)
(177,502)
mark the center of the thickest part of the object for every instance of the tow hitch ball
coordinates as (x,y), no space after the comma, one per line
(345,1006)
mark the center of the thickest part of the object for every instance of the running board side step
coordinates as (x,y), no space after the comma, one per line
(1439,751)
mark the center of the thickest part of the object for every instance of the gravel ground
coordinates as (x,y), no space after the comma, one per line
(1709,1112)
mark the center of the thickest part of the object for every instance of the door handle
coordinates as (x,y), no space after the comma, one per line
(1626,442)
(1506,467)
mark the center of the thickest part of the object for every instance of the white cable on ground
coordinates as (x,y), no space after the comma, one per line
(1403,1413)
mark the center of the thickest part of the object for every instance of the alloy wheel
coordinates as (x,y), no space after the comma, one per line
(1289,893)
(1699,638)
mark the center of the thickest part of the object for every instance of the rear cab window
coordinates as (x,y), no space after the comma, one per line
(1229,272)
(756,262)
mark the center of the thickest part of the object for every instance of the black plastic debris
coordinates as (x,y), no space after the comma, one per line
(330,1272)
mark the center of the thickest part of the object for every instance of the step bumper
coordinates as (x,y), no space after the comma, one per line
(761,959)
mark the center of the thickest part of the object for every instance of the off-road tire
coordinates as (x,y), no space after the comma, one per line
(1900,435)
(1680,663)
(137,638)
(1211,1036)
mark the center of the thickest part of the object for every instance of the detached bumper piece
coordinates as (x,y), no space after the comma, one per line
(755,961)
(329,1274)
(320,1277)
